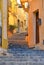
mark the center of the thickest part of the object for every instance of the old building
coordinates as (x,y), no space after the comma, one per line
(15,12)
(35,10)
(36,22)
(3,23)
(9,15)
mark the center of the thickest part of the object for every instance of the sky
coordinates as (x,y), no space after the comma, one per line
(18,1)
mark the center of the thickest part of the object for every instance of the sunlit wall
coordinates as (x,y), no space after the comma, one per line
(15,13)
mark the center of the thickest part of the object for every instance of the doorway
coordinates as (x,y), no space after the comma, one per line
(37,27)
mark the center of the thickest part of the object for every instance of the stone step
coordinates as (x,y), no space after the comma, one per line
(17,41)
(18,45)
(17,38)
(31,57)
(21,34)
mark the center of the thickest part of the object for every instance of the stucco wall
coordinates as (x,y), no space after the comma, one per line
(0,4)
(34,5)
(4,24)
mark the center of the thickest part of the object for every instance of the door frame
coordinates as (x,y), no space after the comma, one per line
(34,19)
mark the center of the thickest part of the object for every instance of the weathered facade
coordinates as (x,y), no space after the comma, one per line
(36,28)
(35,22)
(3,23)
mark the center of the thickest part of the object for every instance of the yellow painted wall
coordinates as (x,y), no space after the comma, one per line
(22,15)
(0,15)
(4,24)
(11,19)
(19,14)
(12,14)
(0,4)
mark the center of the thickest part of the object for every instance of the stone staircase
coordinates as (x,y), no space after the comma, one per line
(26,57)
(20,53)
(18,38)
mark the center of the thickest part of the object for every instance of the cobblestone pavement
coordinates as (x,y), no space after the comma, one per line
(22,56)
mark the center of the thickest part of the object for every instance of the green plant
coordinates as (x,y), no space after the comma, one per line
(12,27)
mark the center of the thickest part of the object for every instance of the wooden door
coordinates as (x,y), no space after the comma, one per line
(37,28)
